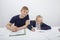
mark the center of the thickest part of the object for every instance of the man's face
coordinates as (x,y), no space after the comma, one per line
(39,20)
(24,12)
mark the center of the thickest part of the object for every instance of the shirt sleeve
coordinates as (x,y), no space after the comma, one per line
(29,27)
(45,26)
(12,20)
(27,17)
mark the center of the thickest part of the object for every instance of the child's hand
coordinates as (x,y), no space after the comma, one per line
(38,28)
(33,29)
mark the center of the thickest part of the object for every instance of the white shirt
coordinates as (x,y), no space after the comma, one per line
(38,26)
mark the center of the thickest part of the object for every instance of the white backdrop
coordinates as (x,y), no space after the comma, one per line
(49,9)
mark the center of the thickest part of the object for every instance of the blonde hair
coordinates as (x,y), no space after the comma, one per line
(38,16)
(24,7)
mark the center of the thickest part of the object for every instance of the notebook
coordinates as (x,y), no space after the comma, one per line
(18,33)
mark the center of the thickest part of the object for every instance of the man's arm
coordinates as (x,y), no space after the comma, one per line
(15,28)
(11,27)
(24,26)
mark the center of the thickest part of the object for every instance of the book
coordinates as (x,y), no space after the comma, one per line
(18,33)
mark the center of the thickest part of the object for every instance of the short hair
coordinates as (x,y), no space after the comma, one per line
(25,7)
(38,16)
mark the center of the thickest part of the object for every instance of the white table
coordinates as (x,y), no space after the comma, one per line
(52,34)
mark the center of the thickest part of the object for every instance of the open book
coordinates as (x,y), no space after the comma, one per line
(18,33)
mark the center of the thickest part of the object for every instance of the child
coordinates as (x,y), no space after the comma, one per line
(38,24)
(20,21)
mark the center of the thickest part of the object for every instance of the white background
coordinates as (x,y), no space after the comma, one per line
(49,9)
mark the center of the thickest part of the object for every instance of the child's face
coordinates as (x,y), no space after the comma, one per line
(39,20)
(24,12)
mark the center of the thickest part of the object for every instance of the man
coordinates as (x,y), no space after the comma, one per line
(20,21)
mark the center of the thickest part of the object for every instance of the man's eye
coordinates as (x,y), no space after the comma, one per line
(26,12)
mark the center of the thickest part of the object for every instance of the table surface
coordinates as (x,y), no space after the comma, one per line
(52,34)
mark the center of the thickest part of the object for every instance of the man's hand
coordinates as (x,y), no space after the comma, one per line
(14,28)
